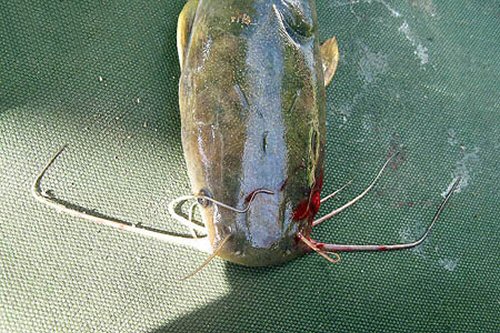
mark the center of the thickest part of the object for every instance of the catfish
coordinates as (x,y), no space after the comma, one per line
(253,130)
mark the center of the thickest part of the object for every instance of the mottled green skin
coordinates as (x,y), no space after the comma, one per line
(252,104)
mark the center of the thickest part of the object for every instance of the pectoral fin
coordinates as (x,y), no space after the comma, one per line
(184,26)
(330,58)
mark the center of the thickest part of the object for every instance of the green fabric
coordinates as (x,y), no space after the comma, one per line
(101,77)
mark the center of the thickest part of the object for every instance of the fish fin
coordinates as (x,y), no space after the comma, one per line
(184,26)
(330,58)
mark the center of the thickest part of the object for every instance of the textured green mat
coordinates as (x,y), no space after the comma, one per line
(101,77)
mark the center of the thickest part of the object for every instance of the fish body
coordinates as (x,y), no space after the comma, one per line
(253,117)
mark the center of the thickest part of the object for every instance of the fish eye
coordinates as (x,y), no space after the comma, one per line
(202,198)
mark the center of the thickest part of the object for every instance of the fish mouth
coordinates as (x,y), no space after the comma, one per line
(237,249)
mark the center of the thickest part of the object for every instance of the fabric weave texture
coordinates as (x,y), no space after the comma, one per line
(101,77)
